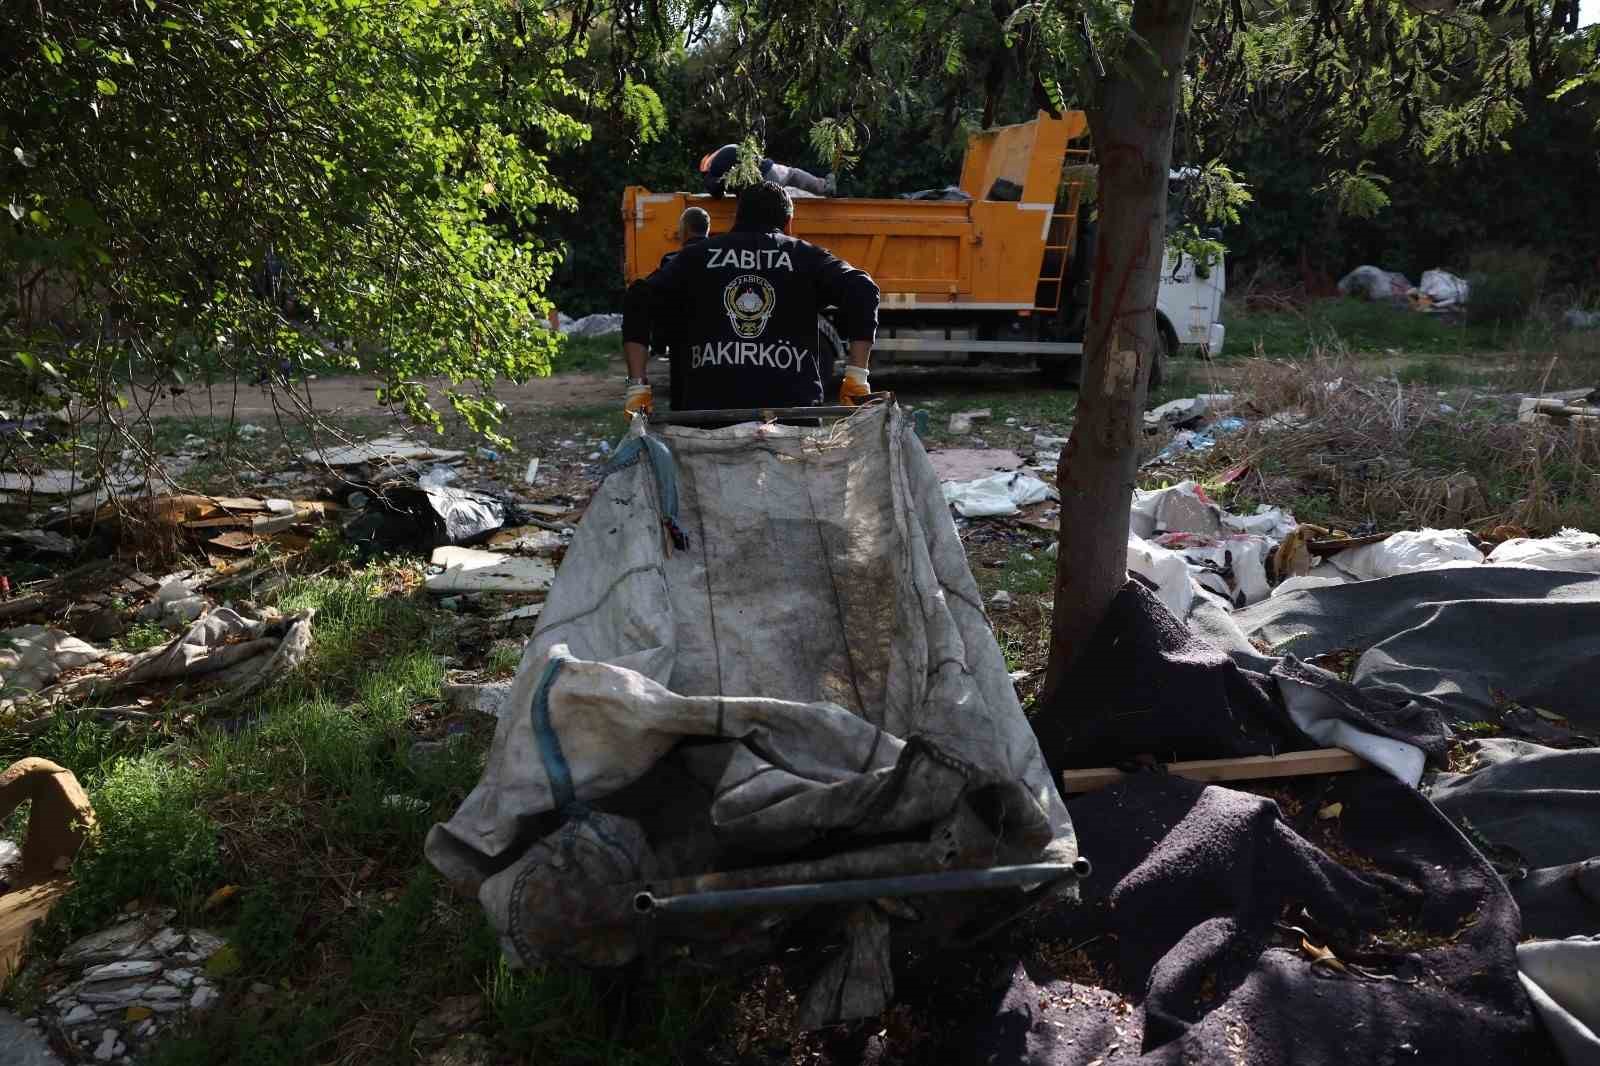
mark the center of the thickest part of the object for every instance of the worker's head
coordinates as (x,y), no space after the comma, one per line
(764,207)
(694,222)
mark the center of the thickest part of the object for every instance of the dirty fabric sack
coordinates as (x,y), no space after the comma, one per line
(764,647)
(1193,894)
(1535,812)
(235,654)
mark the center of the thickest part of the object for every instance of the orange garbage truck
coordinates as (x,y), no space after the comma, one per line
(999,275)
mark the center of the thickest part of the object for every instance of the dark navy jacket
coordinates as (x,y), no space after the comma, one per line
(745,306)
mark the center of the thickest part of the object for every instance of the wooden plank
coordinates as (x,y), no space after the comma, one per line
(1242,768)
(22,908)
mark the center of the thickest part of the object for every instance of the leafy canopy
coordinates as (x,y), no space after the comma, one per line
(194,184)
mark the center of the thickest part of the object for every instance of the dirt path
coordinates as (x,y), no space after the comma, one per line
(357,397)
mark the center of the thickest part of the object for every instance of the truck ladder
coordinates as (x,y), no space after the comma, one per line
(1061,238)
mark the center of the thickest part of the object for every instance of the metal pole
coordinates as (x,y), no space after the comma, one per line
(863,889)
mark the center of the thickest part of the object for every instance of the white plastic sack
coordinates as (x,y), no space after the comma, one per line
(1403,553)
(1274,523)
(593,325)
(995,495)
(1167,570)
(1233,566)
(1180,508)
(1375,283)
(1444,288)
(1571,550)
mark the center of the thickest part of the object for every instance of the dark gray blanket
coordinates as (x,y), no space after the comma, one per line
(1192,890)
(1535,812)
(1465,640)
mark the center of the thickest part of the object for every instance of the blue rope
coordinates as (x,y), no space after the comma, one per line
(544,733)
(629,452)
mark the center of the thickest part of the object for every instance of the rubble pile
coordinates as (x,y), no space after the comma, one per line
(114,990)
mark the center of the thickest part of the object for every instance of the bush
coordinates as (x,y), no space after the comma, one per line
(152,843)
(1505,285)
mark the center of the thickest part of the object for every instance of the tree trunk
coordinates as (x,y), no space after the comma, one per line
(1132,126)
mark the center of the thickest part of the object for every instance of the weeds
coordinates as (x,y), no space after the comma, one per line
(1383,452)
(142,636)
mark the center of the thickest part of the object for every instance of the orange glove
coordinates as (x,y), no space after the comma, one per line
(853,389)
(637,400)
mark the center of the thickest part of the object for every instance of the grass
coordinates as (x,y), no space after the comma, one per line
(293,799)
(586,355)
(1358,326)
(1043,410)
(1429,448)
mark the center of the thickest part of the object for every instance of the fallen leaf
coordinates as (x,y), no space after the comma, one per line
(1549,716)
(136,1014)
(1332,810)
(219,897)
(1321,956)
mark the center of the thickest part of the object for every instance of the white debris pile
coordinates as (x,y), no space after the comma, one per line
(1375,283)
(1441,290)
(590,325)
(131,981)
(996,495)
(1571,550)
(1408,552)
(33,657)
(1183,542)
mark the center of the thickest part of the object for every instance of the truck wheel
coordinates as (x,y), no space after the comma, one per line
(1062,371)
(830,353)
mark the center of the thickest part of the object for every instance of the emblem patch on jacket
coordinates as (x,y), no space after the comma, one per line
(749,300)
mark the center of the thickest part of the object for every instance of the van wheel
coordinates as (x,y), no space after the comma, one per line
(830,353)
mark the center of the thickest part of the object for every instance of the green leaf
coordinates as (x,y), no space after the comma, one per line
(106,86)
(52,51)
(26,361)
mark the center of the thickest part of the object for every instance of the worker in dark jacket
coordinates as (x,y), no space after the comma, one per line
(694,226)
(746,303)
(714,167)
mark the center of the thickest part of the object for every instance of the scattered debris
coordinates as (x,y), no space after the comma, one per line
(1572,406)
(33,657)
(1576,318)
(488,699)
(530,540)
(41,540)
(531,475)
(143,970)
(1440,291)
(599,325)
(995,495)
(1375,283)
(379,451)
(1001,600)
(968,464)
(962,421)
(1570,549)
(532,610)
(471,570)
(1401,553)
